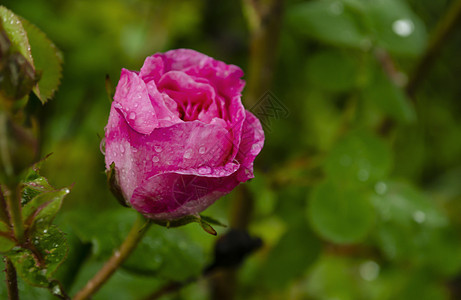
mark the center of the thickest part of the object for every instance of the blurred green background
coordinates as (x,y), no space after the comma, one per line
(357,193)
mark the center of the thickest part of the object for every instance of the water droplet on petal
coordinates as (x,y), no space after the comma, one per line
(158,149)
(122,149)
(202,150)
(204,170)
(188,153)
(403,27)
(132,116)
(155,159)
(255,149)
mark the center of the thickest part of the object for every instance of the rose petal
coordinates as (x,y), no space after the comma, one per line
(152,69)
(166,109)
(172,196)
(118,150)
(251,144)
(132,99)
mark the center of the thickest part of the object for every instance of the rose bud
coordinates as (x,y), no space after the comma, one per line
(178,135)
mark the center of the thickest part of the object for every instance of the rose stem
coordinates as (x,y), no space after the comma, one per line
(264,19)
(13,204)
(11,280)
(126,248)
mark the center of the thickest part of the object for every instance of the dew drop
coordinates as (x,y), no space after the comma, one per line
(380,188)
(255,149)
(122,149)
(202,150)
(204,170)
(403,27)
(369,270)
(132,116)
(419,216)
(188,153)
(158,149)
(155,159)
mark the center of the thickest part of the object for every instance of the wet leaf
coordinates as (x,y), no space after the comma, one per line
(38,268)
(341,214)
(48,61)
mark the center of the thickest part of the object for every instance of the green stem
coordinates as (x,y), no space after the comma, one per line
(13,203)
(11,280)
(4,151)
(442,32)
(4,216)
(126,248)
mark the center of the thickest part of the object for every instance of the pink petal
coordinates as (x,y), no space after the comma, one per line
(132,99)
(251,144)
(172,196)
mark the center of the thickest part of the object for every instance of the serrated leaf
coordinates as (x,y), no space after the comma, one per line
(341,214)
(40,211)
(16,32)
(48,61)
(51,246)
(34,184)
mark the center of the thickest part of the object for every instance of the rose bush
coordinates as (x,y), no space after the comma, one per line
(178,135)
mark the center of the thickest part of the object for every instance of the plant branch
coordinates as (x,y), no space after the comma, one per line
(4,151)
(11,280)
(13,204)
(126,248)
(442,32)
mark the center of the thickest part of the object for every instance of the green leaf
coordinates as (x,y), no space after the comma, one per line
(333,70)
(413,229)
(389,98)
(13,27)
(6,243)
(34,188)
(164,252)
(40,211)
(38,268)
(48,61)
(395,27)
(341,214)
(296,250)
(359,157)
(330,21)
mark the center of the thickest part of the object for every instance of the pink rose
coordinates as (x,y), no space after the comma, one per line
(179,135)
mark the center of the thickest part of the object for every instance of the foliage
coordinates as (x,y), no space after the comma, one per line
(356,192)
